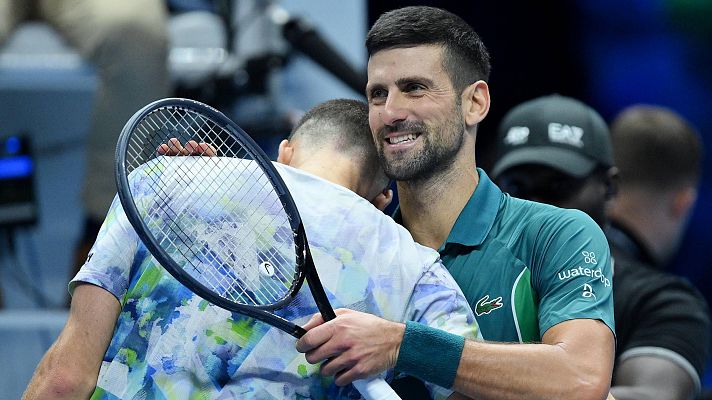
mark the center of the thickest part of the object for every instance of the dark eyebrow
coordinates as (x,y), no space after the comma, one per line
(370,87)
(414,79)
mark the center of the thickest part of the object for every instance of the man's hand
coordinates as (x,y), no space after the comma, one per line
(357,345)
(383,199)
(192,148)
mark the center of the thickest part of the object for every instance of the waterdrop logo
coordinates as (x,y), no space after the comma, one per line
(581,271)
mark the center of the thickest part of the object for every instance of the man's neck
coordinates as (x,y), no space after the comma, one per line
(626,243)
(335,170)
(429,208)
(643,221)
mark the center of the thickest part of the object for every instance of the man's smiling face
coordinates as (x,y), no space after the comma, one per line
(414,112)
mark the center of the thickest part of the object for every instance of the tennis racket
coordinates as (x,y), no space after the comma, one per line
(226,227)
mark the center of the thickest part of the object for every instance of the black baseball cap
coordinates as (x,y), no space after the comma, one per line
(556,131)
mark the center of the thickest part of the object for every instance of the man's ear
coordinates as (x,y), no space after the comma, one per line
(383,199)
(285,153)
(612,178)
(683,201)
(475,103)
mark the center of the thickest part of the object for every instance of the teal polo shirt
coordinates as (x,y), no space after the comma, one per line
(525,266)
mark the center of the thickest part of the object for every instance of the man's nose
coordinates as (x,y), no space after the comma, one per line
(395,109)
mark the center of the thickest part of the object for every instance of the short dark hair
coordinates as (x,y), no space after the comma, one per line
(465,57)
(656,148)
(341,124)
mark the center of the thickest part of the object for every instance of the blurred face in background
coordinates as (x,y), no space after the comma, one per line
(547,185)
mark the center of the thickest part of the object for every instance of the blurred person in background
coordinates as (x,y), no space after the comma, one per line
(659,158)
(127,42)
(557,150)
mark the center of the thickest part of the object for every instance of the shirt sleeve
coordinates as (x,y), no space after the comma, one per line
(110,258)
(438,302)
(572,275)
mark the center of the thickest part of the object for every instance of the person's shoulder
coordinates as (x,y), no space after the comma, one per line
(659,310)
(515,206)
(337,203)
(666,302)
(314,194)
(636,279)
(535,217)
(303,182)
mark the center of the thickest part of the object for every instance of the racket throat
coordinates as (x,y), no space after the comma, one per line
(316,288)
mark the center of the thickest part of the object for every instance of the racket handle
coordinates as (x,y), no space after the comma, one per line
(375,389)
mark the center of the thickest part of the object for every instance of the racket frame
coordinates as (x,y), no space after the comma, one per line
(305,264)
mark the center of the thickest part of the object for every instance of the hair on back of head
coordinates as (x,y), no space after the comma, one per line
(465,57)
(655,148)
(340,125)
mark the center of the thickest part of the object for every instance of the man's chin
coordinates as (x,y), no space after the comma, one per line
(404,172)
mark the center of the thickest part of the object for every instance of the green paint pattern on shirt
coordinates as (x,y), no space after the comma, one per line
(525,308)
(302,370)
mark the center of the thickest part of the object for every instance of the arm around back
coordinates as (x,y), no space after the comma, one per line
(70,367)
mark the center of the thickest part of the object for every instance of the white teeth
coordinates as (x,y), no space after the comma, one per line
(401,138)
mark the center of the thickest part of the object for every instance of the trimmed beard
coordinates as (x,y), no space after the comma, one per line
(439,149)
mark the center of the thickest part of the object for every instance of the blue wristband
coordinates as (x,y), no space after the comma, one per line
(430,354)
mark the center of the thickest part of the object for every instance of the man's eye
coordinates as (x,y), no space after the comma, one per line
(378,93)
(377,96)
(414,87)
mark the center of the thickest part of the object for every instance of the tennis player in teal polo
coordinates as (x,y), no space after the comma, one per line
(538,277)
(526,266)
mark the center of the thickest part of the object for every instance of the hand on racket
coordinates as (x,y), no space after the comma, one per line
(192,148)
(226,227)
(349,345)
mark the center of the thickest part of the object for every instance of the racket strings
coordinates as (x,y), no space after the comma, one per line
(218,217)
(223,279)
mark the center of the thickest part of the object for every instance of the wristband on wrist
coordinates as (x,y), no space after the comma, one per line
(430,354)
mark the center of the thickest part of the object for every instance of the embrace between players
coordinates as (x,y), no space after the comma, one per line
(545,337)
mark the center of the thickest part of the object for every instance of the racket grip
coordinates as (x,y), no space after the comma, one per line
(375,389)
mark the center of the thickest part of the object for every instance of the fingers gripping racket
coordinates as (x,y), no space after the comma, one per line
(226,227)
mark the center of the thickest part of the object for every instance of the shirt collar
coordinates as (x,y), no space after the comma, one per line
(624,239)
(476,218)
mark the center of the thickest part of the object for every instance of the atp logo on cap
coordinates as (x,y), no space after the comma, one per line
(517,135)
